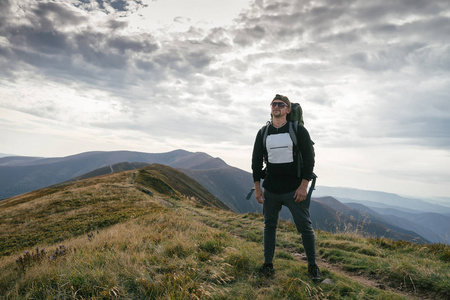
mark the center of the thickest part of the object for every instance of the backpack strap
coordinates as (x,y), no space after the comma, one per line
(312,187)
(293,125)
(264,132)
(293,132)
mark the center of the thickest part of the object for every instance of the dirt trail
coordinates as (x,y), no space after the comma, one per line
(365,279)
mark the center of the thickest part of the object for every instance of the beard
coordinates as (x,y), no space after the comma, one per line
(276,113)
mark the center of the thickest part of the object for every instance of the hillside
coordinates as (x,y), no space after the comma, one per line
(153,233)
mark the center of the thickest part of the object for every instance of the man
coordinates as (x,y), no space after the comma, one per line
(282,186)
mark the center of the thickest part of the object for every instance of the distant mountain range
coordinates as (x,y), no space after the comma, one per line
(429,219)
(373,213)
(382,199)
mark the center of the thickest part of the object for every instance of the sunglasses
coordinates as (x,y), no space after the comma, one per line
(279,104)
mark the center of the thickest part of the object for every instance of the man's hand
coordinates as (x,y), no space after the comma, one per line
(259,193)
(301,192)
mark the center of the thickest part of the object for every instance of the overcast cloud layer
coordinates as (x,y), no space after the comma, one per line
(372,78)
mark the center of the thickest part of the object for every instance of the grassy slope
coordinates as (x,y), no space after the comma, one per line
(104,238)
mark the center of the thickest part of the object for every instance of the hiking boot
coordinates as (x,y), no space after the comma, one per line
(314,272)
(267,270)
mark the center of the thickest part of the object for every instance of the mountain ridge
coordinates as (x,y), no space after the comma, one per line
(19,176)
(327,213)
(229,184)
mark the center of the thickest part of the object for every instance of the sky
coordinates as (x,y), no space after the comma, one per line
(153,76)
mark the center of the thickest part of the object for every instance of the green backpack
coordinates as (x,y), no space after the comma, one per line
(296,114)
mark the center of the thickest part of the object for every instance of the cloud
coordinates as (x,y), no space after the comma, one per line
(359,39)
(109,7)
(48,16)
(366,73)
(182,20)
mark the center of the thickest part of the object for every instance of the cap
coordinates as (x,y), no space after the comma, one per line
(283,98)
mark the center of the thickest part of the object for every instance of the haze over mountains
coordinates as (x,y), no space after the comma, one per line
(375,213)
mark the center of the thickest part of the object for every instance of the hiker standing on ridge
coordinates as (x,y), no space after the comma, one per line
(285,182)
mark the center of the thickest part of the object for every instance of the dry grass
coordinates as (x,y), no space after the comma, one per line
(168,255)
(121,243)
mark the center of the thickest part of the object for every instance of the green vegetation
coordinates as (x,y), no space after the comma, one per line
(103,238)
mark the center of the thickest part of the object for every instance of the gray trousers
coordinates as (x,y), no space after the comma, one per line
(300,213)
